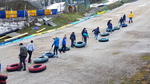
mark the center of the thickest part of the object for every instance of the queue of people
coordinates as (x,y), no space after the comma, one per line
(55,45)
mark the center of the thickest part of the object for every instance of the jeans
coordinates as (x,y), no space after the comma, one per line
(96,36)
(130,20)
(22,60)
(120,24)
(63,48)
(85,39)
(30,54)
(55,50)
(110,30)
(72,43)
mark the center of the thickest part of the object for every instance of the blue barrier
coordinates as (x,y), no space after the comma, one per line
(22,13)
(54,11)
(2,14)
(40,12)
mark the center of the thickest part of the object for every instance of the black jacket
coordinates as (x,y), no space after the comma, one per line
(73,36)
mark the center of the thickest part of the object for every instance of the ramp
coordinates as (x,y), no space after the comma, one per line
(52,24)
(13,34)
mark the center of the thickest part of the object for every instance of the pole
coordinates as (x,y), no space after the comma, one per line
(25,10)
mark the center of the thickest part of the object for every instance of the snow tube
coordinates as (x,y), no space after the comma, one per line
(124,25)
(67,48)
(13,67)
(79,44)
(2,82)
(116,28)
(41,59)
(3,77)
(105,34)
(103,40)
(49,54)
(109,30)
(37,68)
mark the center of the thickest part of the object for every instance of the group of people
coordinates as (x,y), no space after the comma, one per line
(122,21)
(30,48)
(24,51)
(63,48)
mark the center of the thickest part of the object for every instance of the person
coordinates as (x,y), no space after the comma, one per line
(124,18)
(131,15)
(56,45)
(72,38)
(121,22)
(22,56)
(85,36)
(109,25)
(83,32)
(30,49)
(96,32)
(63,44)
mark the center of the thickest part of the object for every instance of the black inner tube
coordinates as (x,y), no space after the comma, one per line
(41,57)
(79,42)
(49,53)
(36,66)
(15,65)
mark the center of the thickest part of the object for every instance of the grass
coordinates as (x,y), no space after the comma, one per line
(60,21)
(145,58)
(113,5)
(143,74)
(115,53)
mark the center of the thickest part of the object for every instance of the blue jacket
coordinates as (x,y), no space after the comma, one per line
(96,31)
(110,25)
(121,20)
(64,41)
(56,42)
(124,17)
(72,36)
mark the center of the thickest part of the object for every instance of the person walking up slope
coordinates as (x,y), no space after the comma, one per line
(63,44)
(96,32)
(22,56)
(121,22)
(131,15)
(56,45)
(124,18)
(109,25)
(30,48)
(85,36)
(72,38)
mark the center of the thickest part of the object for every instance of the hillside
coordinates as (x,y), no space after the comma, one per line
(18,5)
(98,62)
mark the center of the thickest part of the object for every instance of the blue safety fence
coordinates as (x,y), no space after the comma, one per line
(2,14)
(22,13)
(26,13)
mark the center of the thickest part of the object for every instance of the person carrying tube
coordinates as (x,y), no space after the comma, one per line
(109,25)
(56,46)
(63,49)
(85,36)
